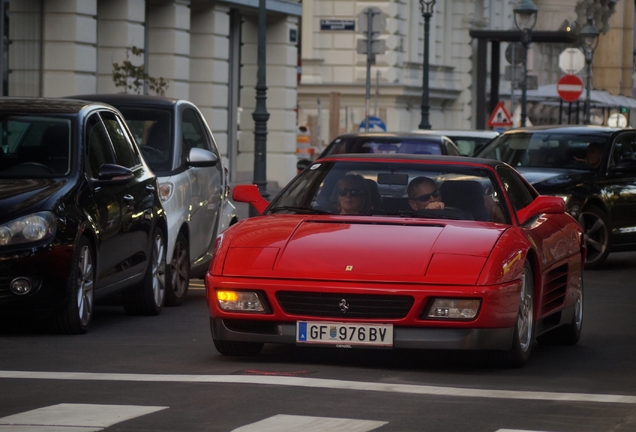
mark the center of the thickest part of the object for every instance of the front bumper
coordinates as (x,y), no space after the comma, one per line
(403,337)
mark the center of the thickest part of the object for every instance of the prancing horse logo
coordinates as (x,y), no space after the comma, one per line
(344,306)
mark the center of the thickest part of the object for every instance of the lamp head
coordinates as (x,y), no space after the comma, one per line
(427,7)
(589,35)
(525,15)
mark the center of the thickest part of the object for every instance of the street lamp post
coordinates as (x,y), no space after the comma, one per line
(525,19)
(427,13)
(260,114)
(589,40)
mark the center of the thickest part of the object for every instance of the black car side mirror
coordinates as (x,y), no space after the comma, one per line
(302,164)
(111,173)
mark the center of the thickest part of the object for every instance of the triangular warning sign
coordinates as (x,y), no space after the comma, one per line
(500,117)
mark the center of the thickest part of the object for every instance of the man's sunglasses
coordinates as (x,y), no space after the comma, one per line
(427,197)
(354,193)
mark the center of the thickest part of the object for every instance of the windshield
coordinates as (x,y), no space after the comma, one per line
(385,145)
(439,191)
(35,146)
(545,149)
(153,132)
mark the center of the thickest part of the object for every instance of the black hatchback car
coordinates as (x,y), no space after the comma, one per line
(592,168)
(81,216)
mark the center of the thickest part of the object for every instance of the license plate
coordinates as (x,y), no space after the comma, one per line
(344,335)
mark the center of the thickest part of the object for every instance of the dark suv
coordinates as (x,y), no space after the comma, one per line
(81,215)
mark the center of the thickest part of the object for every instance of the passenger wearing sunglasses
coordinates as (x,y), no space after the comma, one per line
(423,194)
(353,197)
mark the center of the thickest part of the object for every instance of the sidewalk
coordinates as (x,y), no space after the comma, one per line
(242,209)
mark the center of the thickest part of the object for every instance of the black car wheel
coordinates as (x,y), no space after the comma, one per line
(148,297)
(595,228)
(524,332)
(238,349)
(178,273)
(77,313)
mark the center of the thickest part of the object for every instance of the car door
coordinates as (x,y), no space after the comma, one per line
(104,205)
(138,198)
(619,185)
(205,182)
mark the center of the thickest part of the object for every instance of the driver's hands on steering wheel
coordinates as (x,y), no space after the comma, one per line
(437,205)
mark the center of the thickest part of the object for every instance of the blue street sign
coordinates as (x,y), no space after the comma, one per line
(375,125)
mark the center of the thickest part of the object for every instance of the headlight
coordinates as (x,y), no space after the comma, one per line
(239,301)
(453,309)
(165,191)
(28,229)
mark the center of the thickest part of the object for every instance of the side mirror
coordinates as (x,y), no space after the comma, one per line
(111,173)
(251,195)
(201,158)
(540,205)
(302,164)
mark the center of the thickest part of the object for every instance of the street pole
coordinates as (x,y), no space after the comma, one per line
(370,58)
(524,83)
(260,114)
(427,13)
(588,85)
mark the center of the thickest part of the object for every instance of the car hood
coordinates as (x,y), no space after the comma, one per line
(554,180)
(19,197)
(360,249)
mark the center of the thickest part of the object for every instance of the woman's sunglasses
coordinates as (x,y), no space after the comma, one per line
(427,197)
(354,193)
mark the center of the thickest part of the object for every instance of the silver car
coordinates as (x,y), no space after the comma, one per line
(177,144)
(469,142)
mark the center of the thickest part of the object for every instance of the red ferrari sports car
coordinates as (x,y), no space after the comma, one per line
(399,251)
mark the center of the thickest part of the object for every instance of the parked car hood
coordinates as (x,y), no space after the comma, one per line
(360,249)
(19,197)
(554,180)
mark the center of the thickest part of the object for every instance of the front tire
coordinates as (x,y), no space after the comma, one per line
(597,235)
(178,273)
(524,332)
(76,316)
(148,297)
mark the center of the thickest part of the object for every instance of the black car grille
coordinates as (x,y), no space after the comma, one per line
(363,306)
(5,292)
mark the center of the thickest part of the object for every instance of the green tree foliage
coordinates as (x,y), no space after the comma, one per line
(130,77)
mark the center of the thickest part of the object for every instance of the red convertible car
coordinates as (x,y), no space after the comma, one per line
(399,251)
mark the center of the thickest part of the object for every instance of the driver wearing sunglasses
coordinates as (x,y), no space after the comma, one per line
(423,194)
(353,198)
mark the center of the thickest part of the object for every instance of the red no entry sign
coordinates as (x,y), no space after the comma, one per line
(570,87)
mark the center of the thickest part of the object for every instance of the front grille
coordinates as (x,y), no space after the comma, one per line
(328,305)
(5,292)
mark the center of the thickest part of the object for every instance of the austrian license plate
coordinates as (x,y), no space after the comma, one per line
(345,335)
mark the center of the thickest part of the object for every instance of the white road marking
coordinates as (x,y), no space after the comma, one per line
(84,417)
(327,383)
(515,430)
(293,423)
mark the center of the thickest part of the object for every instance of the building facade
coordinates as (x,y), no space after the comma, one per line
(205,50)
(333,74)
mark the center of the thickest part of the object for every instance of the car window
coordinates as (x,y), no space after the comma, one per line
(623,150)
(35,146)
(383,145)
(99,148)
(518,193)
(194,135)
(125,153)
(394,190)
(544,149)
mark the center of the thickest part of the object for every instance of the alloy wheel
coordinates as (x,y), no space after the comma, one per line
(158,269)
(525,318)
(596,235)
(85,285)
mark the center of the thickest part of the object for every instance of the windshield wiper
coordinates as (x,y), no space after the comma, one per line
(301,210)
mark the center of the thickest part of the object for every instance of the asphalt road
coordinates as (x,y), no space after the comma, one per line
(163,374)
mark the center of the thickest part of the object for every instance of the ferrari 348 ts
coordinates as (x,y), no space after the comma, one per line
(399,251)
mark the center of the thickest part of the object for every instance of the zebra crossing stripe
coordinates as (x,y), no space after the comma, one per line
(293,423)
(85,417)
